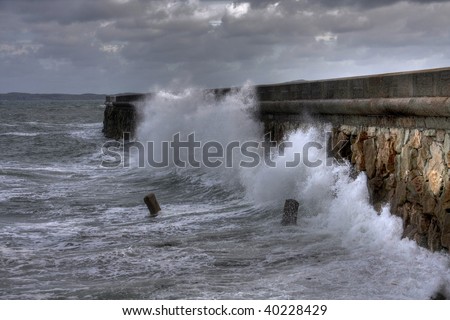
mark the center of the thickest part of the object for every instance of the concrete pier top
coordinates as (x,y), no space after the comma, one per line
(418,99)
(420,83)
(414,93)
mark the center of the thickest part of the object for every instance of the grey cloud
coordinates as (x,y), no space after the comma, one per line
(108,46)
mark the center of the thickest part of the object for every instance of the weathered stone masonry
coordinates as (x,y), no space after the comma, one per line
(408,169)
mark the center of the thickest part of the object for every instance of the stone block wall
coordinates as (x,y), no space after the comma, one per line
(409,169)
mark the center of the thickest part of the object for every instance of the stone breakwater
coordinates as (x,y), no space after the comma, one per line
(394,127)
(121,114)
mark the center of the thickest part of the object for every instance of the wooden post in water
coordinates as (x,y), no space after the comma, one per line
(152,204)
(290,212)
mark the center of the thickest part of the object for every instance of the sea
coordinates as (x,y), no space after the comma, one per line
(74,225)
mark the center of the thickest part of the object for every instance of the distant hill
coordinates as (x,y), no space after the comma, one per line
(50,96)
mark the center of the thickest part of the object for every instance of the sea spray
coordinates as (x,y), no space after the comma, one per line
(206,117)
(334,205)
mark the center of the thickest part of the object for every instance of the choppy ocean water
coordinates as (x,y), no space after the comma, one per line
(71,228)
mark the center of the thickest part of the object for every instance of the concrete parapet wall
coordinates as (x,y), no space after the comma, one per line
(417,106)
(424,83)
(418,94)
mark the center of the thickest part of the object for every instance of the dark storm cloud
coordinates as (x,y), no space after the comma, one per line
(69,11)
(120,45)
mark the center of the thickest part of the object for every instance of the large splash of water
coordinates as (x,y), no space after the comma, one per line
(211,119)
(333,203)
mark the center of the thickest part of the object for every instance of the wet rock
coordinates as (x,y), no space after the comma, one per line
(413,154)
(415,139)
(371,131)
(385,163)
(429,133)
(445,197)
(434,239)
(377,192)
(429,203)
(399,198)
(357,149)
(414,188)
(424,155)
(435,168)
(399,136)
(440,135)
(421,240)
(370,156)
(341,147)
(404,162)
(447,159)
(446,149)
(290,212)
(348,130)
(424,223)
(415,214)
(152,204)
(409,232)
(445,237)
(343,142)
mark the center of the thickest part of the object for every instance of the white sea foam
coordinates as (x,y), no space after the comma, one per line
(192,111)
(85,134)
(332,203)
(22,134)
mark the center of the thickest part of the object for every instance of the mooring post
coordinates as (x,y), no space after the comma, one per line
(152,204)
(290,212)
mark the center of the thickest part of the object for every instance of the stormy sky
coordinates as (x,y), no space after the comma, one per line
(111,46)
